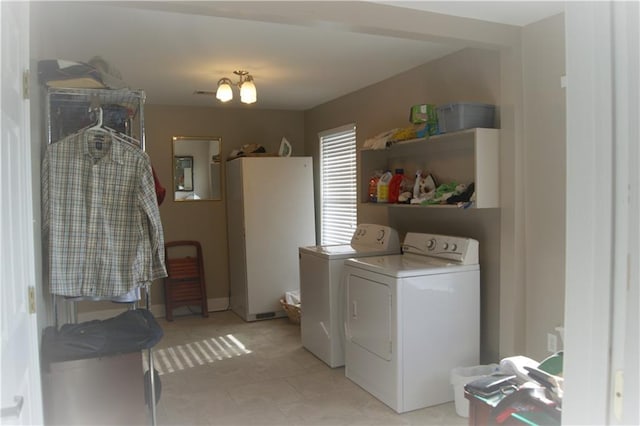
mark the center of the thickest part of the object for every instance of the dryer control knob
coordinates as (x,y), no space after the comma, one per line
(431,244)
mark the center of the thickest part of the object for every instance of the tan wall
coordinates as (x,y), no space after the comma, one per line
(512,258)
(533,169)
(544,180)
(468,75)
(205,221)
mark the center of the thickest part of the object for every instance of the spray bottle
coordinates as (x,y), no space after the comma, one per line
(416,185)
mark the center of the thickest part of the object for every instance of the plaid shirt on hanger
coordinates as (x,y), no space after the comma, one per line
(100,217)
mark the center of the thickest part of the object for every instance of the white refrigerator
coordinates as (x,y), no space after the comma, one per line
(270,214)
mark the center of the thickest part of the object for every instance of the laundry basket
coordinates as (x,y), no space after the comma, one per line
(291,305)
(292,311)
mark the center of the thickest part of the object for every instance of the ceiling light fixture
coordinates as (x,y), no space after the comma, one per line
(248,93)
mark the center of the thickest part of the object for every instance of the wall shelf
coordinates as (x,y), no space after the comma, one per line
(466,156)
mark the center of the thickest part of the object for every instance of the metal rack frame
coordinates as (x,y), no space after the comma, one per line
(131,99)
(95,98)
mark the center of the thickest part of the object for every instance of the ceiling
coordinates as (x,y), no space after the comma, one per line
(301,54)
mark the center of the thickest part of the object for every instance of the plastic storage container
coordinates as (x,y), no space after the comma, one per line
(460,376)
(465,115)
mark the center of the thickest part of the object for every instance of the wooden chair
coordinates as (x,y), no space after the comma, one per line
(185,284)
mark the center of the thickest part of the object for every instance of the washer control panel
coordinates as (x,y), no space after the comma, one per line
(371,235)
(458,249)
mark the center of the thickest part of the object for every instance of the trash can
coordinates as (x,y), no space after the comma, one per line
(460,376)
(131,331)
(89,369)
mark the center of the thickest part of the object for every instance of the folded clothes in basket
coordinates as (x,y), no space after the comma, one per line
(292,297)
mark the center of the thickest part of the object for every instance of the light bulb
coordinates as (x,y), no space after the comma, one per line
(224,92)
(248,91)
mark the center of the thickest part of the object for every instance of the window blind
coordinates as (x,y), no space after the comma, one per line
(338,177)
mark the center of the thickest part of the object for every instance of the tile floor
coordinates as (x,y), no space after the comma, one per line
(224,371)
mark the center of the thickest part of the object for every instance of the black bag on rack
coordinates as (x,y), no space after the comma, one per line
(131,331)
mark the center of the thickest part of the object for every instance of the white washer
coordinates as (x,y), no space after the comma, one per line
(321,292)
(412,318)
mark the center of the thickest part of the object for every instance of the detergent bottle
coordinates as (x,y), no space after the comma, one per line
(383,187)
(395,184)
(373,186)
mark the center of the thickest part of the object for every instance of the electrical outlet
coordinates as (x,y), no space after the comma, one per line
(552,343)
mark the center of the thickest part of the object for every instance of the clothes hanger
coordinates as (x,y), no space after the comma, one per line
(99,125)
(114,134)
(123,137)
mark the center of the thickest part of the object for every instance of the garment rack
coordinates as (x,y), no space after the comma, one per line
(62,102)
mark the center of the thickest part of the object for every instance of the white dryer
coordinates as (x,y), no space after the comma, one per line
(412,318)
(321,292)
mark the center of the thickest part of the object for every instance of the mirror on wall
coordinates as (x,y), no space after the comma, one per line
(197,168)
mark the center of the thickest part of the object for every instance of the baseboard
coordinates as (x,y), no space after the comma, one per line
(158,311)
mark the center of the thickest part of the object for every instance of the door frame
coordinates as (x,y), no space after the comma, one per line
(602,223)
